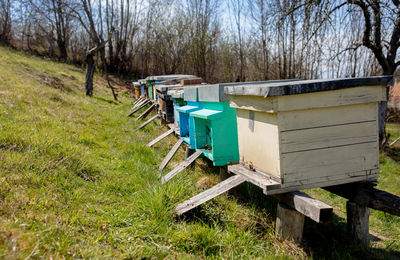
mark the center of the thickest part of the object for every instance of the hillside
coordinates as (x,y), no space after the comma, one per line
(76,181)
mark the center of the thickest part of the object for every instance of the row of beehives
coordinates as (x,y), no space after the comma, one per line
(301,133)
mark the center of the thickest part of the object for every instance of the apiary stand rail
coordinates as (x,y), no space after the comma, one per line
(301,202)
(361,195)
(209,194)
(145,103)
(175,127)
(137,101)
(145,113)
(364,193)
(181,166)
(158,139)
(170,154)
(147,122)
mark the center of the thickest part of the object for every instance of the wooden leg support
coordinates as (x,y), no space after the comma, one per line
(223,173)
(188,153)
(289,223)
(358,222)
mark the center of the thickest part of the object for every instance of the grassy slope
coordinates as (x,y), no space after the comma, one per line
(77,181)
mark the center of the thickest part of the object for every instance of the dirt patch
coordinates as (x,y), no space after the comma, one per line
(54,82)
(67,75)
(205,183)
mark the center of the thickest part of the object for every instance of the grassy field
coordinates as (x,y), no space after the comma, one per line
(77,182)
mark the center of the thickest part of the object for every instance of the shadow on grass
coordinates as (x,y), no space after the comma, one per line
(320,240)
(393,152)
(109,101)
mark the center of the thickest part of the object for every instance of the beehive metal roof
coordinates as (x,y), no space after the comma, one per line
(168,77)
(271,89)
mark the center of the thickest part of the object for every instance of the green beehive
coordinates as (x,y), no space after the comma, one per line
(215,127)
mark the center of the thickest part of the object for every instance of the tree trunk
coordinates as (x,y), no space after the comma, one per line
(62,47)
(89,74)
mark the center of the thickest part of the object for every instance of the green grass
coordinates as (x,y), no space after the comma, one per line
(77,182)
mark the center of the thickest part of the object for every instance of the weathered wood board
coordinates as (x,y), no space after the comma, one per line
(145,113)
(306,205)
(147,122)
(261,180)
(159,138)
(364,194)
(140,107)
(170,154)
(181,166)
(209,194)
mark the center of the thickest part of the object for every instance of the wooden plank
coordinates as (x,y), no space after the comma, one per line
(289,224)
(140,107)
(327,116)
(306,205)
(364,194)
(261,180)
(142,100)
(137,101)
(209,194)
(170,153)
(175,127)
(158,139)
(145,113)
(331,161)
(146,123)
(328,136)
(181,166)
(342,97)
(364,175)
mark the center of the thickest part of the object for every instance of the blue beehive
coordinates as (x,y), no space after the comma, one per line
(186,123)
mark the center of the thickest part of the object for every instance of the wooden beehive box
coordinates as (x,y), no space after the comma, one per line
(308,134)
(166,107)
(136,89)
(186,122)
(215,131)
(177,99)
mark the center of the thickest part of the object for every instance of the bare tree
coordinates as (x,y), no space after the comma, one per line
(53,17)
(5,21)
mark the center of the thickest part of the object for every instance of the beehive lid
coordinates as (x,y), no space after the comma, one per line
(273,89)
(165,88)
(186,109)
(215,92)
(175,93)
(207,114)
(168,77)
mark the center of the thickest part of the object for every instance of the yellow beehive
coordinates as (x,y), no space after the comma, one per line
(310,133)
